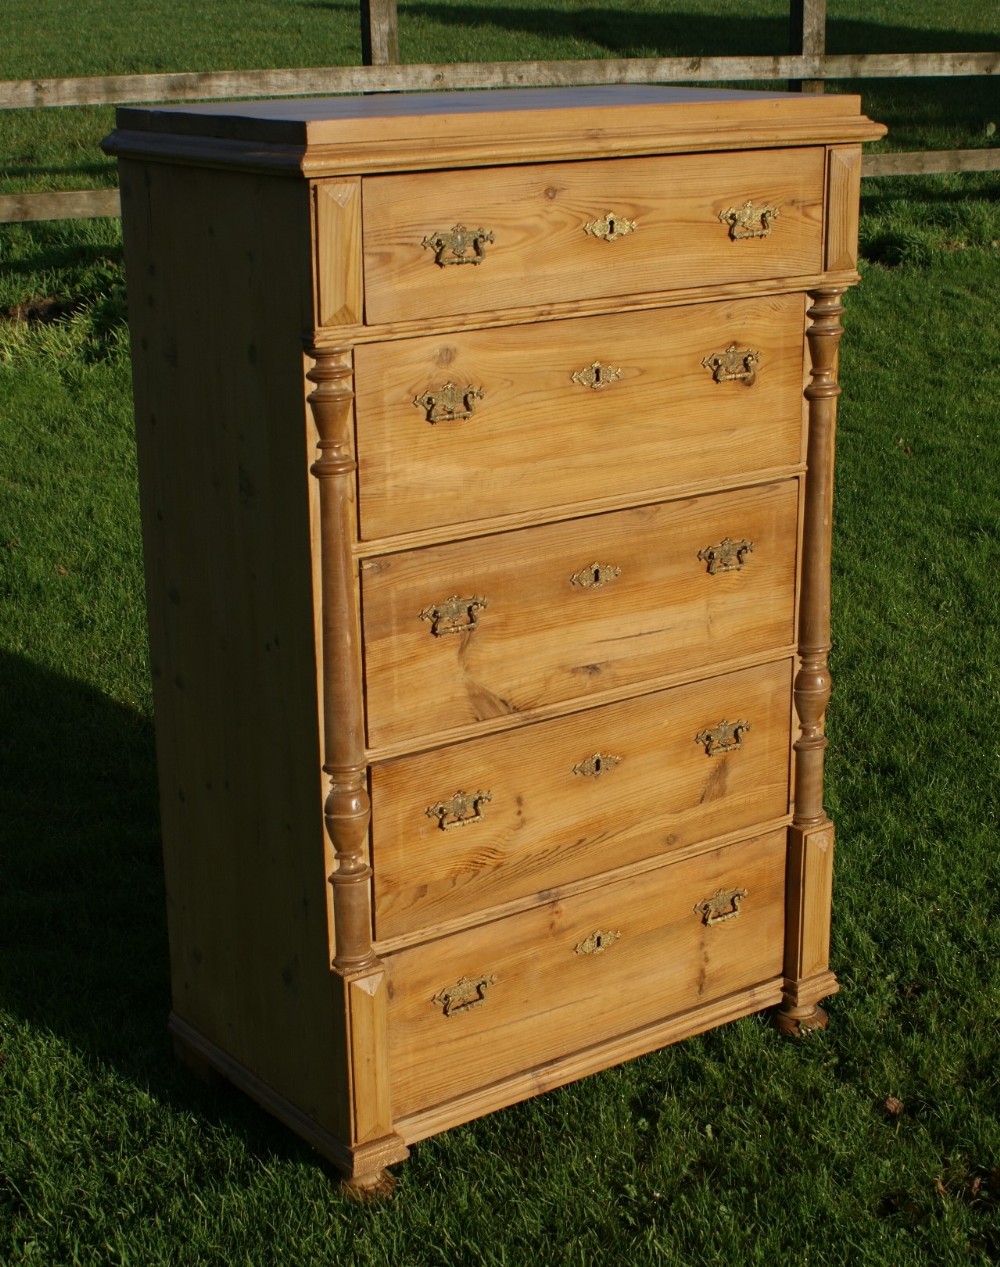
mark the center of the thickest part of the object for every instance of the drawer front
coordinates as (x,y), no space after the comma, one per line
(467,426)
(439,244)
(472,826)
(471,1009)
(472,630)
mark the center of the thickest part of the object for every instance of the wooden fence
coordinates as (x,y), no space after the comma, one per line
(807,66)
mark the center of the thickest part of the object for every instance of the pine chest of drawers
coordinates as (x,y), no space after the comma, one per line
(486,448)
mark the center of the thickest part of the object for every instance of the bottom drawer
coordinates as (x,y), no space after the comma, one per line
(500,999)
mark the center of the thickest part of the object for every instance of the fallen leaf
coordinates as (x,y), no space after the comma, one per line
(976,1185)
(893,1105)
(60,570)
(941,1189)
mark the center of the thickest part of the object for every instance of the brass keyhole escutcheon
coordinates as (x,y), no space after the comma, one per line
(597,764)
(597,943)
(595,576)
(597,376)
(610,228)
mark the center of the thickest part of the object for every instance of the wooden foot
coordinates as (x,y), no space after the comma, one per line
(794,1022)
(377,1186)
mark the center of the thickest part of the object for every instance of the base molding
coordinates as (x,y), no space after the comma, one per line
(363,1165)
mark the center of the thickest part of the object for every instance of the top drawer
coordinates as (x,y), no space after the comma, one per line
(575,231)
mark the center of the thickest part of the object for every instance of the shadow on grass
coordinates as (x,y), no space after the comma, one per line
(677,34)
(83,938)
(83,931)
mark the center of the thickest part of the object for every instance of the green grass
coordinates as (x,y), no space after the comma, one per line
(735,1147)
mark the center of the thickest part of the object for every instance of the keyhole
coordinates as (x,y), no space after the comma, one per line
(598,767)
(597,576)
(611,226)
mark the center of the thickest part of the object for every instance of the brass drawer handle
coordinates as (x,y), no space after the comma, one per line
(594,766)
(749,221)
(734,365)
(597,943)
(723,905)
(726,555)
(462,810)
(595,376)
(595,576)
(454,616)
(610,228)
(726,737)
(465,994)
(454,247)
(449,403)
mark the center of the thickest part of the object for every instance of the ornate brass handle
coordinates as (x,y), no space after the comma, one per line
(723,905)
(449,403)
(610,228)
(726,737)
(597,943)
(734,365)
(597,764)
(595,576)
(595,376)
(462,810)
(465,994)
(749,221)
(454,247)
(454,616)
(726,555)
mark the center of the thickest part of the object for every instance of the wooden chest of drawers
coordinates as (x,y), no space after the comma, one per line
(486,447)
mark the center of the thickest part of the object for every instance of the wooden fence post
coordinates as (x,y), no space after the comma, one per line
(380,33)
(807,38)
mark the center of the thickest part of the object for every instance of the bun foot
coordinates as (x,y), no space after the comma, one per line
(796,1021)
(378,1186)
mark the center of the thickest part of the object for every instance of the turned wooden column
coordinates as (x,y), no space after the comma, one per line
(810,849)
(347,809)
(373,1144)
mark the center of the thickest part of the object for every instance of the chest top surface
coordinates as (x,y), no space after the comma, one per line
(389,131)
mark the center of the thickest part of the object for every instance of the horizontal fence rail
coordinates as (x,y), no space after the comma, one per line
(335,80)
(211,85)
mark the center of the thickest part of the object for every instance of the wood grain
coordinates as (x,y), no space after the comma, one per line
(541,252)
(538,439)
(549,1000)
(226,537)
(556,1073)
(78,204)
(301,82)
(543,639)
(338,253)
(547,824)
(379,32)
(843,196)
(920,162)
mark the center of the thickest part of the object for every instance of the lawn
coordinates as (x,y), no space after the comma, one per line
(875,1142)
